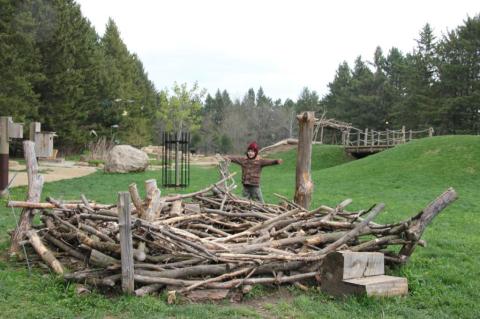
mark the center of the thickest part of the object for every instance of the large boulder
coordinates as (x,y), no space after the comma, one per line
(125,159)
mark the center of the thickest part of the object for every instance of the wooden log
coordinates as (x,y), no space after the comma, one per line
(227,284)
(304,184)
(93,231)
(207,294)
(176,209)
(137,201)
(202,191)
(150,187)
(351,234)
(219,278)
(193,208)
(72,252)
(99,259)
(35,185)
(419,224)
(266,224)
(148,289)
(126,245)
(44,252)
(36,205)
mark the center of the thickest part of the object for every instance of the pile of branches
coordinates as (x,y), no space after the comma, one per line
(212,244)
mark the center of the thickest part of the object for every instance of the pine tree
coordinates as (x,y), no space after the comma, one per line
(67,44)
(307,101)
(459,75)
(20,68)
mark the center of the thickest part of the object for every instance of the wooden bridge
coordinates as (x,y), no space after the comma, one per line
(359,142)
(364,142)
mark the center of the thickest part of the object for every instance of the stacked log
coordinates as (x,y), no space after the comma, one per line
(211,243)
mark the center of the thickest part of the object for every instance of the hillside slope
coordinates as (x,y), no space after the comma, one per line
(444,276)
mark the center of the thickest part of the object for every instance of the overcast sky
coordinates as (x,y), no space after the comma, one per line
(282,46)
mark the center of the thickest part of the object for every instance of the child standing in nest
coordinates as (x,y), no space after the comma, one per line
(252,166)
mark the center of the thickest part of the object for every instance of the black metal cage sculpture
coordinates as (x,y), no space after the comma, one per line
(176,159)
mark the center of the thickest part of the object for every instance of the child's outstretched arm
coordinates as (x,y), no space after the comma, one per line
(234,159)
(268,162)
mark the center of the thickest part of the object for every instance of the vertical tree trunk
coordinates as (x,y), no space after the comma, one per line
(304,184)
(35,185)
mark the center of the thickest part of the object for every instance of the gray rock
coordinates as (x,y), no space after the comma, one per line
(125,159)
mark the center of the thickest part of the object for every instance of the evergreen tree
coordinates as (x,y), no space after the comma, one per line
(249,99)
(337,100)
(67,46)
(262,99)
(459,78)
(308,101)
(20,68)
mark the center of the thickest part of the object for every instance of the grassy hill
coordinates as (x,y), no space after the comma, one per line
(443,278)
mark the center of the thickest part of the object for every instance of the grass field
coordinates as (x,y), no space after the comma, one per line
(444,278)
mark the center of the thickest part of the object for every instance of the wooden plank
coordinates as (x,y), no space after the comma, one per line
(126,246)
(382,286)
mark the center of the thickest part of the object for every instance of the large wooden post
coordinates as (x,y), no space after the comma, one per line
(126,245)
(304,184)
(3,155)
(8,130)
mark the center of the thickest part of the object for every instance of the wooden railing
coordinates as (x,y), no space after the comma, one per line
(389,138)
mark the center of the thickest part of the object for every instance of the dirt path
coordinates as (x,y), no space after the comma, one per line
(51,172)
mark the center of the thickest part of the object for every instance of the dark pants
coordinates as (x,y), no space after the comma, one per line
(253,192)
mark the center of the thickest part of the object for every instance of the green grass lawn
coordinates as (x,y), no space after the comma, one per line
(444,278)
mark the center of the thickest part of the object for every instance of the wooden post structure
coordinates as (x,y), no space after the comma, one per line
(373,138)
(8,130)
(321,134)
(388,138)
(410,135)
(3,155)
(126,245)
(365,142)
(430,132)
(403,135)
(304,184)
(358,137)
(35,127)
(35,185)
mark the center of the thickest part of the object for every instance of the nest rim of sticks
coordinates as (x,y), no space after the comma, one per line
(210,243)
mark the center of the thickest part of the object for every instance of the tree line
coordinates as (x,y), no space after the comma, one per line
(56,69)
(436,85)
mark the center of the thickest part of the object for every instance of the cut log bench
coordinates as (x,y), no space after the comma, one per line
(356,273)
